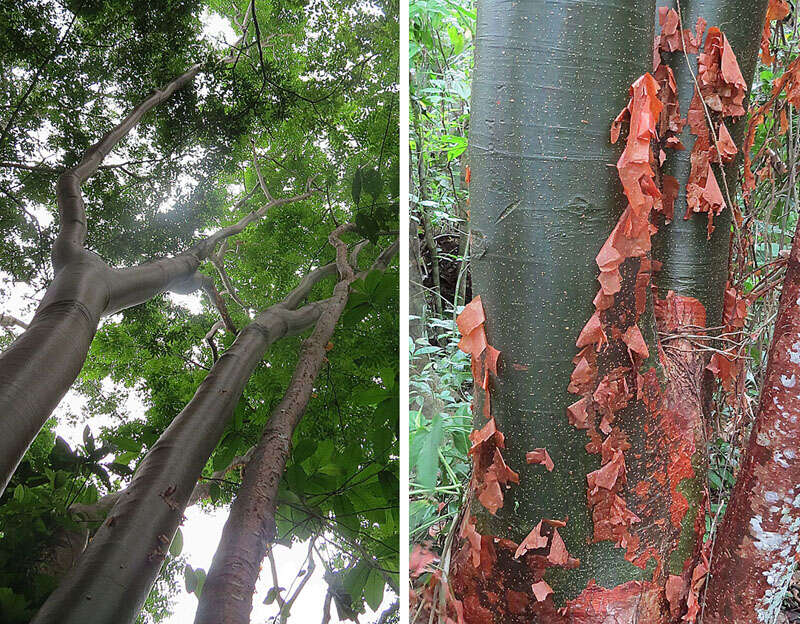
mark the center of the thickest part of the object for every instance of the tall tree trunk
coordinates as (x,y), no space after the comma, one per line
(544,198)
(227,596)
(115,573)
(39,367)
(756,547)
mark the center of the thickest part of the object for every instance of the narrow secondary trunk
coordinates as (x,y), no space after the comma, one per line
(424,218)
(693,265)
(587,539)
(756,548)
(228,591)
(115,573)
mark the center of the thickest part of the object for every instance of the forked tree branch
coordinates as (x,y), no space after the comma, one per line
(208,286)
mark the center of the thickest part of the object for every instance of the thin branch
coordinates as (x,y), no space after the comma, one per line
(7,320)
(276,585)
(261,182)
(208,286)
(231,59)
(96,512)
(383,261)
(205,247)
(287,607)
(218,261)
(209,338)
(326,608)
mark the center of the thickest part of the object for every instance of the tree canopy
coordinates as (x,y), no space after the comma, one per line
(309,92)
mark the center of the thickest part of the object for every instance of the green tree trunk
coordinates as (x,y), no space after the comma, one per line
(545,195)
(693,265)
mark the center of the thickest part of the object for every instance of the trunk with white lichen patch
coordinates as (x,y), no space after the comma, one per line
(756,549)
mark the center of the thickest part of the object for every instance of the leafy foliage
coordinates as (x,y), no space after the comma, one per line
(313,95)
(438,445)
(441,58)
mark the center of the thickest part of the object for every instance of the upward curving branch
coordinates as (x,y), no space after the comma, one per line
(72,213)
(42,363)
(40,366)
(7,320)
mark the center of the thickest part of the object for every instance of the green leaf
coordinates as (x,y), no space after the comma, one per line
(371,396)
(224,456)
(190,579)
(13,607)
(373,589)
(176,546)
(427,466)
(214,492)
(88,439)
(456,39)
(372,280)
(372,183)
(201,581)
(356,579)
(126,444)
(303,450)
(296,478)
(272,594)
(324,452)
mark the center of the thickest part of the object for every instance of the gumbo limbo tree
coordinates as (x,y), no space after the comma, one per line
(149,157)
(593,393)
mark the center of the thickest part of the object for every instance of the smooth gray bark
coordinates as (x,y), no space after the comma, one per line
(117,570)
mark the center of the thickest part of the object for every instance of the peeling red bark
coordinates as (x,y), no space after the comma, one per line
(642,383)
(776,10)
(506,589)
(757,543)
(636,496)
